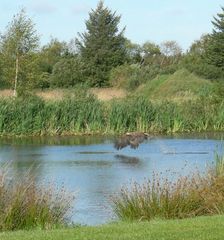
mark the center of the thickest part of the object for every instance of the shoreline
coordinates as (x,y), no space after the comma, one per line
(110,134)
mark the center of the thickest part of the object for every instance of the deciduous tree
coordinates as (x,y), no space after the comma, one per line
(18,46)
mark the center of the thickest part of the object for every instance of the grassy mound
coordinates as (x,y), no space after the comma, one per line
(181,84)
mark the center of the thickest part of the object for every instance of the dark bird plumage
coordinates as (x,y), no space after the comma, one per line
(131,139)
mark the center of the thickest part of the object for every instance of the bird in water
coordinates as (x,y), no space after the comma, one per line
(132,139)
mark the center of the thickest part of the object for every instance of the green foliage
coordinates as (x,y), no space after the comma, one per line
(102,47)
(128,76)
(3,82)
(132,76)
(196,59)
(215,49)
(25,205)
(53,58)
(43,81)
(68,72)
(133,52)
(18,45)
(50,54)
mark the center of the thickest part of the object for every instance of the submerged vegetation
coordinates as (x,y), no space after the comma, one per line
(189,196)
(25,205)
(84,114)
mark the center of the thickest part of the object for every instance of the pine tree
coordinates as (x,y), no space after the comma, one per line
(215,48)
(102,46)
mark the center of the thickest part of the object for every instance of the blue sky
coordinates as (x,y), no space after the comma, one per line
(155,20)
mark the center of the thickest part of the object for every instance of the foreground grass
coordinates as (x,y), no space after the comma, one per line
(201,228)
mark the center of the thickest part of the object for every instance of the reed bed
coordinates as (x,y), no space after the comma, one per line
(26,205)
(189,196)
(85,114)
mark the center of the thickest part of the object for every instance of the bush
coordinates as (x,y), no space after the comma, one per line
(120,75)
(67,73)
(132,76)
(43,81)
(198,65)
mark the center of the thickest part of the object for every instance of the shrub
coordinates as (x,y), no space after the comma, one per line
(120,75)
(67,73)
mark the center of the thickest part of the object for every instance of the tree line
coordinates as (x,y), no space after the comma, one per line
(101,51)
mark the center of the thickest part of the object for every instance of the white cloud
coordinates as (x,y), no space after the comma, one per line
(80,9)
(175,11)
(43,8)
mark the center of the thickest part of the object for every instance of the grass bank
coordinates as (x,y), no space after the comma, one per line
(200,228)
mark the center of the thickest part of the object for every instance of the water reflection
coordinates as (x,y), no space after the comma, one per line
(86,152)
(191,153)
(131,161)
(54,140)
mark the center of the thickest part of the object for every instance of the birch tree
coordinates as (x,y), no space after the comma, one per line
(19,40)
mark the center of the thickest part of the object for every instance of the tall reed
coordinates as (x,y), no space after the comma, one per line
(85,114)
(131,115)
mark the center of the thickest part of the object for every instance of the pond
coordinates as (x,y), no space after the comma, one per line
(92,168)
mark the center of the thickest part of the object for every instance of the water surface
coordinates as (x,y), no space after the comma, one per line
(92,168)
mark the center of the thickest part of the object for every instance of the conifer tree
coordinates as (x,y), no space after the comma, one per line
(102,46)
(215,48)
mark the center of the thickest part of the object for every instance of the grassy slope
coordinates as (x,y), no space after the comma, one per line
(202,228)
(180,84)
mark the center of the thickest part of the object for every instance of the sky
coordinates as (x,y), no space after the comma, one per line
(145,20)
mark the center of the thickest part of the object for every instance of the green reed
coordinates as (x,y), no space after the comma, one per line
(85,114)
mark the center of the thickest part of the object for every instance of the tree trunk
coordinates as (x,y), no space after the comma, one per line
(16,76)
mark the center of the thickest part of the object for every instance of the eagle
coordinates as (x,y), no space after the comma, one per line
(132,139)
